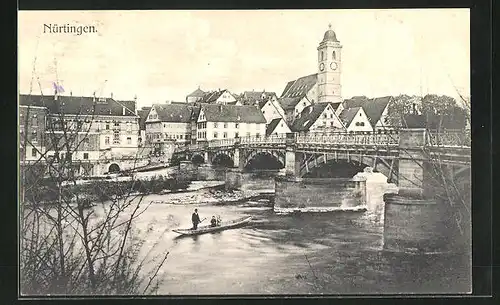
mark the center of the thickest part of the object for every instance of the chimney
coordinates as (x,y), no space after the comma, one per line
(310,109)
(135,97)
(71,93)
(93,99)
(55,95)
(220,107)
(123,110)
(111,94)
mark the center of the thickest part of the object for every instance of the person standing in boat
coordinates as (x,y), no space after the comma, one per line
(195,218)
(213,222)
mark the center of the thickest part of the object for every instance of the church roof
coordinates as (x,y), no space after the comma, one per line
(300,87)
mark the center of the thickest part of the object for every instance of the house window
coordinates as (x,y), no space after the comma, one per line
(304,104)
(331,124)
(360,114)
(333,55)
(331,116)
(225,125)
(322,55)
(106,140)
(34,136)
(85,156)
(257,135)
(236,135)
(107,126)
(129,140)
(116,137)
(215,125)
(225,135)
(129,127)
(237,125)
(215,135)
(324,115)
(117,125)
(248,134)
(263,112)
(33,152)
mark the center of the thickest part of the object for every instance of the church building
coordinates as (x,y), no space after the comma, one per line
(321,87)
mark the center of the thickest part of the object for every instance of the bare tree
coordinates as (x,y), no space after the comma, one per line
(73,241)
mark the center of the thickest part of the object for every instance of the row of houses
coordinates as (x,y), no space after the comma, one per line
(254,114)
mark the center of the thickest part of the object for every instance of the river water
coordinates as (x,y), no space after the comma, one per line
(322,253)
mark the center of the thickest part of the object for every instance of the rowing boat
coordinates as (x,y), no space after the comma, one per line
(207,229)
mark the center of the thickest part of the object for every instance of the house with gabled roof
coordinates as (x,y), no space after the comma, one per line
(319,117)
(376,109)
(169,123)
(219,96)
(255,97)
(229,121)
(355,120)
(277,127)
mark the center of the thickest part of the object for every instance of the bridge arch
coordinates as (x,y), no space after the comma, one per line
(223,158)
(198,158)
(378,164)
(113,168)
(271,158)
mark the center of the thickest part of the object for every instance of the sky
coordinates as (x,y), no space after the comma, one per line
(165,55)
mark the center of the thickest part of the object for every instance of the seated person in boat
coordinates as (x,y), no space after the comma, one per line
(219,220)
(213,222)
(195,218)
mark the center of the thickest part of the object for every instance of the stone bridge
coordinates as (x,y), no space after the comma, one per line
(406,157)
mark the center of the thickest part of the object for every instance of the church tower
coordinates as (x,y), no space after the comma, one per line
(329,68)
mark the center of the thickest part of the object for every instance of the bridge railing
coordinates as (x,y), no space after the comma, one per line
(449,138)
(344,138)
(221,142)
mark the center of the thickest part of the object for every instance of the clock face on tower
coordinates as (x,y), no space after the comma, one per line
(321,66)
(333,66)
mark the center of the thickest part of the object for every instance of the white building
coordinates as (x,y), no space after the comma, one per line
(114,122)
(319,117)
(376,109)
(228,122)
(277,127)
(355,120)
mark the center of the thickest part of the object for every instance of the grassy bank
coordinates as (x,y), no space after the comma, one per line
(102,190)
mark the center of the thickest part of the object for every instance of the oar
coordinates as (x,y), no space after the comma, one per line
(203,219)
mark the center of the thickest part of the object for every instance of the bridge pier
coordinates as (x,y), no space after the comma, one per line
(238,158)
(292,158)
(414,172)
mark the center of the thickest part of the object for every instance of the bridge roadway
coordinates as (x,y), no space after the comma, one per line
(453,145)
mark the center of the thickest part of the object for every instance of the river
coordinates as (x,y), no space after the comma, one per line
(322,253)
